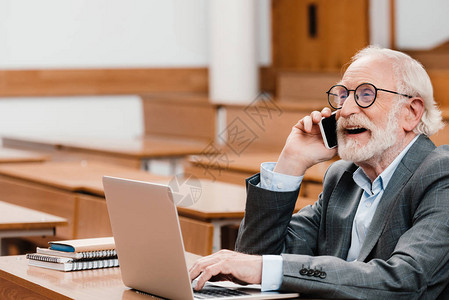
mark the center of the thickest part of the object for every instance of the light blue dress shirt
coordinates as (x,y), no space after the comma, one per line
(372,194)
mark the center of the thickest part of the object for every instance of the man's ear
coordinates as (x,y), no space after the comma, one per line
(414,110)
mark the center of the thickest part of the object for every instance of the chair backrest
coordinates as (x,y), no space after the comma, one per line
(179,115)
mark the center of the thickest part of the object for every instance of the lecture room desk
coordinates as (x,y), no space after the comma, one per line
(8,155)
(131,152)
(20,281)
(217,203)
(17,221)
(67,189)
(236,168)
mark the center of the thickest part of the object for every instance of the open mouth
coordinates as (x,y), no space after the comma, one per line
(355,130)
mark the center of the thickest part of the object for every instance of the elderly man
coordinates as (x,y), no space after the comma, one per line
(380,228)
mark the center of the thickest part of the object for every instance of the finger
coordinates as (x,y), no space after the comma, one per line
(307,121)
(300,125)
(316,117)
(194,271)
(206,261)
(200,265)
(326,112)
(207,274)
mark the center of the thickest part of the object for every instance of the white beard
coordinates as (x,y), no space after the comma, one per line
(380,141)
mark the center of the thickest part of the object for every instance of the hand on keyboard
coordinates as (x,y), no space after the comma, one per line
(227,265)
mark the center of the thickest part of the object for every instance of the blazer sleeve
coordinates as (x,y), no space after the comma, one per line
(267,227)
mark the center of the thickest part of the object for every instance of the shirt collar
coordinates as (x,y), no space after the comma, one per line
(381,182)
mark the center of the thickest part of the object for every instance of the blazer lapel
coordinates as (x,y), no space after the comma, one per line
(340,214)
(411,161)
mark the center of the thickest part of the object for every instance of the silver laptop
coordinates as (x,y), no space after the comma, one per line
(149,244)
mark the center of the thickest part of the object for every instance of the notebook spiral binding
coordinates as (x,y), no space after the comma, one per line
(98,254)
(47,258)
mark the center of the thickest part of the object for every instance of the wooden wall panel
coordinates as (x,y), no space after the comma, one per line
(24,83)
(341,30)
(101,81)
(440,79)
(436,58)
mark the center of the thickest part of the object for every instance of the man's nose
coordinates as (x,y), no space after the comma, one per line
(349,106)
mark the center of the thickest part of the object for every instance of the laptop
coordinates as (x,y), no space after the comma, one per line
(149,244)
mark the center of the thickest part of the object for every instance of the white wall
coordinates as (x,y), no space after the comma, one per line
(379,23)
(101,34)
(110,33)
(421,24)
(108,116)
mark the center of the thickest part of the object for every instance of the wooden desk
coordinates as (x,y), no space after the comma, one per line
(74,176)
(136,153)
(13,156)
(75,191)
(20,281)
(17,221)
(235,169)
(72,190)
(223,204)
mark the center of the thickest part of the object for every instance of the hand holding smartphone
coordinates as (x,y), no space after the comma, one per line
(328,128)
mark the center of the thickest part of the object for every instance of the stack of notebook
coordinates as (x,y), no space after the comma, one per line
(72,255)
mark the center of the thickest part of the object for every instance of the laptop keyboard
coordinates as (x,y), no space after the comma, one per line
(209,292)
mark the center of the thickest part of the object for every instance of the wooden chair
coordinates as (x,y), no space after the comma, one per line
(297,86)
(197,236)
(179,115)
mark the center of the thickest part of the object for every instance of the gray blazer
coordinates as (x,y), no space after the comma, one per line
(406,251)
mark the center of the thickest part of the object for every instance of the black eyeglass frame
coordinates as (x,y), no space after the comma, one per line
(355,95)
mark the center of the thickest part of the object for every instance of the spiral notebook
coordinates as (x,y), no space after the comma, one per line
(64,265)
(149,244)
(78,255)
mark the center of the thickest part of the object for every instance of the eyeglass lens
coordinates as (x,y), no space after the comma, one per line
(365,94)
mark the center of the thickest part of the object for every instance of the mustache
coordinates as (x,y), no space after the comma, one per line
(355,120)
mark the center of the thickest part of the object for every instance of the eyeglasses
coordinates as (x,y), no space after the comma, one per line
(365,95)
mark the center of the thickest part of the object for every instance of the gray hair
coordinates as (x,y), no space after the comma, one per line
(411,79)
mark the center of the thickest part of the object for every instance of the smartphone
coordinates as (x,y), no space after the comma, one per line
(328,128)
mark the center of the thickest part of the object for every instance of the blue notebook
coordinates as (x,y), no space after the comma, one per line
(82,245)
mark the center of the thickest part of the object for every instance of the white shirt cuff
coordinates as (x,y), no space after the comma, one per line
(271,272)
(277,182)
